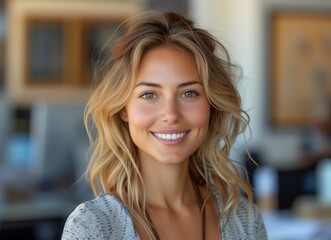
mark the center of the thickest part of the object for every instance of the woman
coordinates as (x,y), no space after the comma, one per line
(166,114)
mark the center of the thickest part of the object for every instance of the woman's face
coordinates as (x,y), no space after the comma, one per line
(168,111)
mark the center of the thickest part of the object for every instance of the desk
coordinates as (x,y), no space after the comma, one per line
(41,217)
(36,209)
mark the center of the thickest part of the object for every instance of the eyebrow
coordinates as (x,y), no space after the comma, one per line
(149,84)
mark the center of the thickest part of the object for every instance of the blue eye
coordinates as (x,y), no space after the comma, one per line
(190,94)
(148,95)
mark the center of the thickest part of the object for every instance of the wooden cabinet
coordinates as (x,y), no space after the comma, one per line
(51,46)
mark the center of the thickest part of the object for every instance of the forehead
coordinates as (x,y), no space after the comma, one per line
(167,62)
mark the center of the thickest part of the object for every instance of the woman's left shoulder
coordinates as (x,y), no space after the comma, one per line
(249,219)
(245,206)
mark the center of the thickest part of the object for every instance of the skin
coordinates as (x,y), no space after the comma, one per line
(169,101)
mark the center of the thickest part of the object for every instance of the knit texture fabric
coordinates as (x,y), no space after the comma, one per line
(106,217)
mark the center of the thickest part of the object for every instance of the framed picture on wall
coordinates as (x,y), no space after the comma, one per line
(300,66)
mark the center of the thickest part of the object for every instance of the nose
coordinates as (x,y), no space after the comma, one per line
(171,112)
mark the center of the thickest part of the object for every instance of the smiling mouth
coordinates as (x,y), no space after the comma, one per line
(170,136)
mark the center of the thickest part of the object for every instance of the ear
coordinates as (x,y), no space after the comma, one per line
(124,115)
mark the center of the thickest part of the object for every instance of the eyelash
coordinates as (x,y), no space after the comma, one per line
(193,92)
(143,95)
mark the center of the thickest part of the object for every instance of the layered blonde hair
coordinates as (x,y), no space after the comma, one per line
(114,165)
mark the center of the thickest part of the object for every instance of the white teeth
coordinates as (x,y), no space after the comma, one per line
(168,136)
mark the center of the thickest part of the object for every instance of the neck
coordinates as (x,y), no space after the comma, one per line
(167,186)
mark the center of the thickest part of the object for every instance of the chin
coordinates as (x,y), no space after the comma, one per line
(172,159)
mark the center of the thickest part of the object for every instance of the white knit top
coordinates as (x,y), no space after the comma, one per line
(106,217)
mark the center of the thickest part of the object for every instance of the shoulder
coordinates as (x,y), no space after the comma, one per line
(246,222)
(104,217)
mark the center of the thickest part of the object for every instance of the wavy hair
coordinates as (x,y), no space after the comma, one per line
(114,165)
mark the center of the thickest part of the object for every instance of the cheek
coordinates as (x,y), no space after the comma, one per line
(199,114)
(140,115)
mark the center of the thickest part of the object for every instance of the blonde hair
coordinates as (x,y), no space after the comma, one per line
(114,164)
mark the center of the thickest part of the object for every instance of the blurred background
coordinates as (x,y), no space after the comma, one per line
(47,52)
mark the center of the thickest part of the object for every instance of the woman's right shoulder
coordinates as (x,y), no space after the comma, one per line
(104,217)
